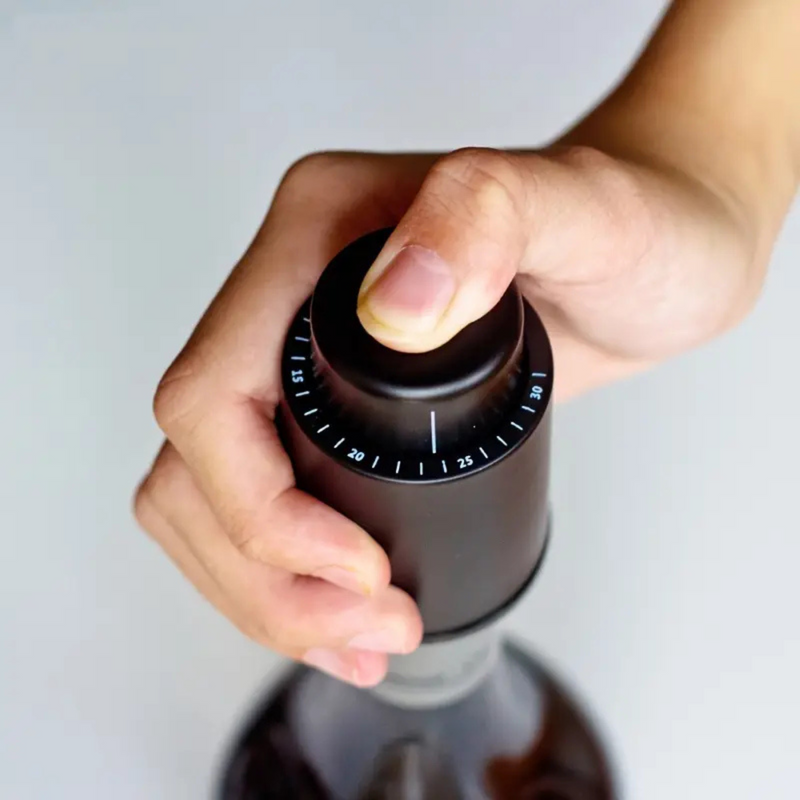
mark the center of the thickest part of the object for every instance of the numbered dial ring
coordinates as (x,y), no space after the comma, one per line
(351,444)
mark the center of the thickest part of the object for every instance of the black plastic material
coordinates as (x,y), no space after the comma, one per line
(461,509)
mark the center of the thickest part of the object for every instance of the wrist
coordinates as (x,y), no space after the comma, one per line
(713,96)
(755,178)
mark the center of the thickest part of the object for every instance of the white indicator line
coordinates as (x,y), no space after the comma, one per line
(397,468)
(375,462)
(302,394)
(338,443)
(502,441)
(518,427)
(529,410)
(483,451)
(538,374)
(444,467)
(298,358)
(301,339)
(420,468)
(305,319)
(309,413)
(433,432)
(323,428)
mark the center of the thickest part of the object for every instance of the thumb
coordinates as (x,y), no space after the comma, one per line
(452,256)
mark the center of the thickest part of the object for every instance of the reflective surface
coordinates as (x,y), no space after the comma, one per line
(518,735)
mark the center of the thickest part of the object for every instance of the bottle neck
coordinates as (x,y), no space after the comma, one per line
(441,673)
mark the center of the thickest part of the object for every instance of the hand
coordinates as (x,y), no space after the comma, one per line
(626,264)
(220,499)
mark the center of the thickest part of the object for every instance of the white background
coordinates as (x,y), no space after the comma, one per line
(139,147)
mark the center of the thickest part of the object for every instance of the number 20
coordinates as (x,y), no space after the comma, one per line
(356,455)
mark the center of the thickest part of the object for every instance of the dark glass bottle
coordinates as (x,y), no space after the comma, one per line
(517,736)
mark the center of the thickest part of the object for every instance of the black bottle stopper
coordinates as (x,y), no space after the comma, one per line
(442,457)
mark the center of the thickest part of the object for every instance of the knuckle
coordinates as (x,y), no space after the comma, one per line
(255,538)
(407,619)
(260,631)
(144,508)
(245,535)
(307,172)
(260,534)
(486,182)
(158,489)
(272,629)
(617,192)
(587,159)
(617,187)
(175,396)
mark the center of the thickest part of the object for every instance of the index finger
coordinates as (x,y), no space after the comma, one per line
(217,401)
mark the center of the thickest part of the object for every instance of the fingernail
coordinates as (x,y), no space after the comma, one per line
(345,578)
(386,640)
(331,662)
(412,293)
(361,669)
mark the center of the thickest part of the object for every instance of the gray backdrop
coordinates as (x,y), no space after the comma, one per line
(139,146)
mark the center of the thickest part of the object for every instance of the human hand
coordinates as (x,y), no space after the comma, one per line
(220,499)
(627,262)
(626,265)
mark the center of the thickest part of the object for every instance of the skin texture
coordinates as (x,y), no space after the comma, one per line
(642,232)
